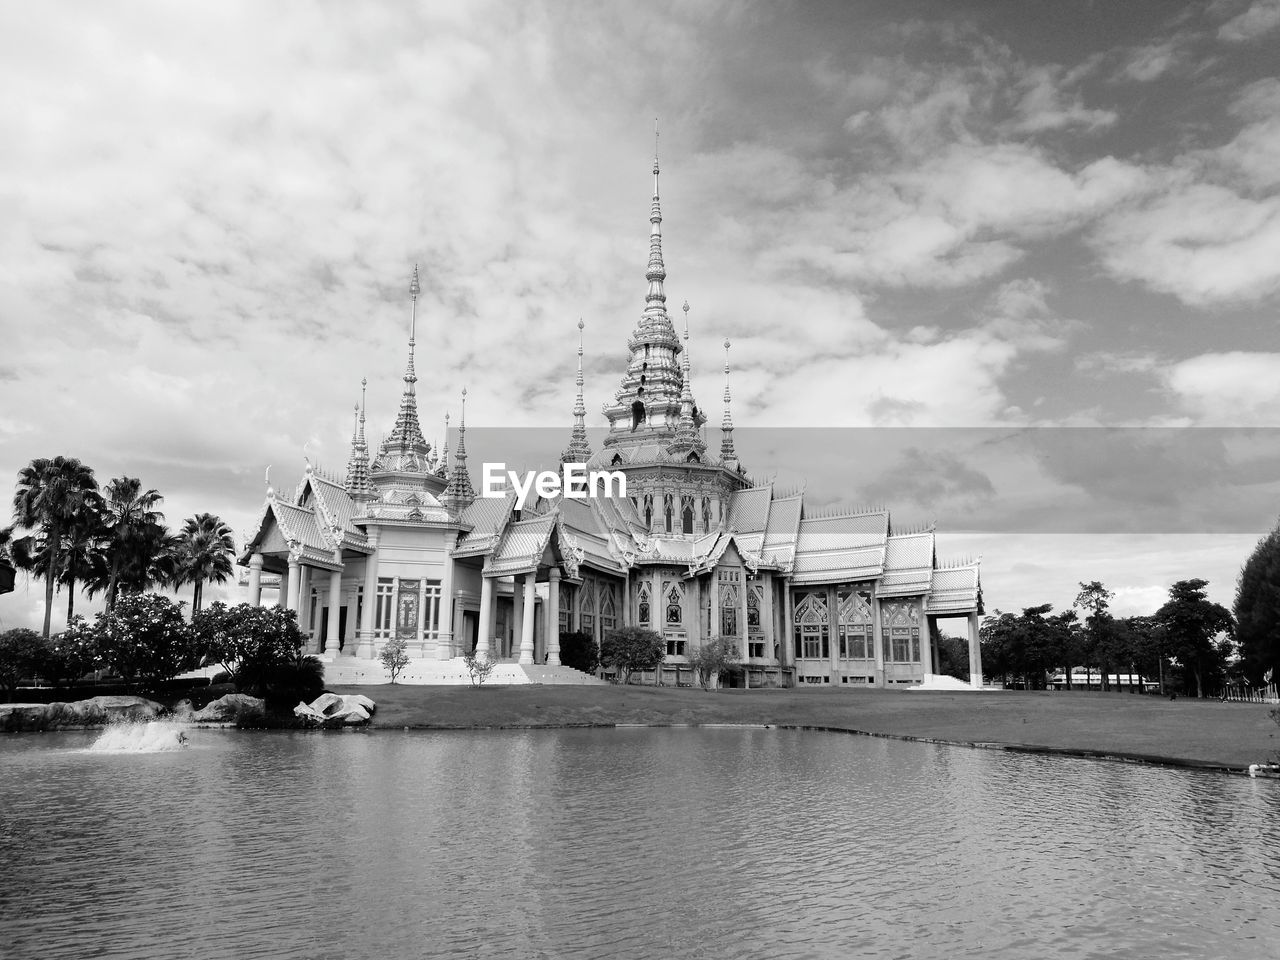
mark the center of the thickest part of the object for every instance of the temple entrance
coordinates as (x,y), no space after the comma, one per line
(470,630)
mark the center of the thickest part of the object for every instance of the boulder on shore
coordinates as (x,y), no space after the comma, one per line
(333,709)
(94,712)
(229,709)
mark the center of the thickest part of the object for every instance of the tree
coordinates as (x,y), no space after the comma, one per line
(137,550)
(69,655)
(632,648)
(1194,627)
(712,659)
(395,656)
(578,650)
(144,639)
(247,640)
(1094,599)
(50,495)
(21,651)
(204,553)
(953,656)
(478,667)
(1257,610)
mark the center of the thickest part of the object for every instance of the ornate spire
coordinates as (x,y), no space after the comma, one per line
(406,448)
(686,438)
(578,451)
(443,469)
(358,485)
(726,425)
(656,299)
(459,494)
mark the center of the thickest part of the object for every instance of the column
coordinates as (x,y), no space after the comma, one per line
(363,647)
(553,617)
(444,639)
(255,580)
(526,622)
(291,580)
(315,642)
(746,631)
(335,604)
(485,630)
(879,641)
(420,641)
(769,622)
(517,614)
(975,653)
(926,642)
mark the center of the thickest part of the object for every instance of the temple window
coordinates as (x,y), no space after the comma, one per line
(637,414)
(687,520)
(675,611)
(810,625)
(384,606)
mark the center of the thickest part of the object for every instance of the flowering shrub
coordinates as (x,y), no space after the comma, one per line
(144,639)
(20,654)
(261,648)
(71,654)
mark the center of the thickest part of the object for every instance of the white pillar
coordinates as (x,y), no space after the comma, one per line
(335,603)
(876,625)
(975,653)
(746,631)
(768,620)
(255,580)
(926,642)
(419,648)
(444,639)
(526,627)
(363,647)
(293,578)
(486,617)
(553,617)
(517,616)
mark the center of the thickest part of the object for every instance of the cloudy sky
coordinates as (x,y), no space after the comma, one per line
(1011,266)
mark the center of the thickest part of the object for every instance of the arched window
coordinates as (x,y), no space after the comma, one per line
(669,509)
(687,521)
(637,414)
(706,513)
(692,458)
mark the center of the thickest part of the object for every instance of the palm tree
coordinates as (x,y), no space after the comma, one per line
(205,549)
(136,544)
(51,494)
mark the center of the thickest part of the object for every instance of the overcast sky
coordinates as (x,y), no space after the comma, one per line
(1015,216)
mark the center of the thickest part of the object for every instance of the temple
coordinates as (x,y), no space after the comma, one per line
(403,547)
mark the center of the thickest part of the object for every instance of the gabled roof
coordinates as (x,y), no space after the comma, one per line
(782,531)
(337,510)
(841,547)
(749,509)
(486,517)
(955,589)
(585,522)
(908,565)
(520,546)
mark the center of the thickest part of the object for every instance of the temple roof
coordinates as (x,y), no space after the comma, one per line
(841,547)
(955,589)
(908,565)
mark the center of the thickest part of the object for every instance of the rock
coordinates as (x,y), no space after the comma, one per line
(333,709)
(229,708)
(80,713)
(183,709)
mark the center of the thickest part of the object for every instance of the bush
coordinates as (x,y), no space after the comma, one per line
(250,643)
(71,654)
(145,640)
(632,648)
(479,668)
(283,683)
(578,650)
(21,653)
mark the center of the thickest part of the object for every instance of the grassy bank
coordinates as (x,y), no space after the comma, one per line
(1198,731)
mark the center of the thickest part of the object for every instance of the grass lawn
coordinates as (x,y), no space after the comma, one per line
(1199,731)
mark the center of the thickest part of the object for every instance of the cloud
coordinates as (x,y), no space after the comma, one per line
(1150,62)
(1228,389)
(1261,18)
(1201,242)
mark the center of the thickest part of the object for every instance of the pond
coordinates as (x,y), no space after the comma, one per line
(646,843)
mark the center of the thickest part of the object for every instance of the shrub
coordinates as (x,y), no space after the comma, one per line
(249,642)
(144,639)
(478,667)
(632,648)
(578,650)
(69,655)
(395,656)
(21,652)
(284,683)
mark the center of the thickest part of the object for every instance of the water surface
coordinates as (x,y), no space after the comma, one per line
(646,843)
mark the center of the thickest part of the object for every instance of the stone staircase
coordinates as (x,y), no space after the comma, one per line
(349,671)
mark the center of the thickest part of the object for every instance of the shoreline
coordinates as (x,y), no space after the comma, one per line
(1126,728)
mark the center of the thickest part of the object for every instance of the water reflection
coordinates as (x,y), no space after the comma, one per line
(626,843)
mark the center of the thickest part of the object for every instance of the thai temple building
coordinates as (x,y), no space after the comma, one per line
(403,546)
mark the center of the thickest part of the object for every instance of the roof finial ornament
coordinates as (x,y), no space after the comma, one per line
(578,451)
(364,386)
(444,456)
(726,425)
(459,493)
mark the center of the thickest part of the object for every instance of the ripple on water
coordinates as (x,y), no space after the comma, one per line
(628,843)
